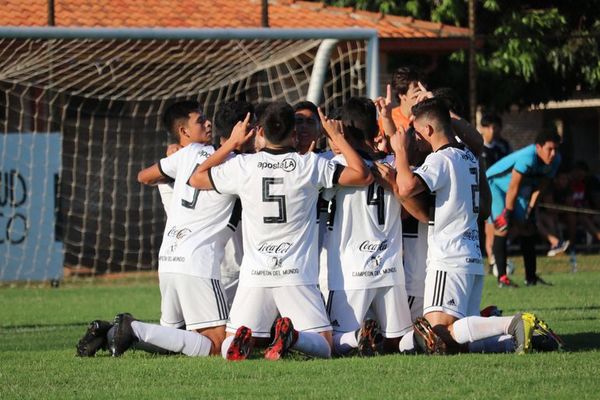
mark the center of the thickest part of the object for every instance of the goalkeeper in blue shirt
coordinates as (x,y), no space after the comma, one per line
(516,182)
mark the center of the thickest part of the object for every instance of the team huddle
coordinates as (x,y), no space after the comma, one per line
(383,225)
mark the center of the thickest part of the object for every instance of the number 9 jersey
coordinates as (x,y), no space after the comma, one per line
(279,191)
(452,175)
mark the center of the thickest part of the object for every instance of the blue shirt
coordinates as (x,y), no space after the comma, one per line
(526,162)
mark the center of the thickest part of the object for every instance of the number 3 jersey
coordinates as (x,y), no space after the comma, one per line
(364,240)
(452,175)
(279,191)
(199,222)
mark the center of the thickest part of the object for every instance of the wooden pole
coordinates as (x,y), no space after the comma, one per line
(472,65)
(265,14)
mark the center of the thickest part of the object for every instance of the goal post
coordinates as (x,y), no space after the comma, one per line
(102,92)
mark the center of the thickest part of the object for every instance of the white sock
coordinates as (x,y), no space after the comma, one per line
(407,343)
(471,329)
(313,344)
(494,344)
(176,340)
(225,346)
(344,342)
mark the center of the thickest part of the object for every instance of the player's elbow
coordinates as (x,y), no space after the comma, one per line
(405,190)
(367,177)
(142,178)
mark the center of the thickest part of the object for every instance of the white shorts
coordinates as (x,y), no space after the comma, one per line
(415,304)
(258,307)
(454,293)
(347,309)
(190,301)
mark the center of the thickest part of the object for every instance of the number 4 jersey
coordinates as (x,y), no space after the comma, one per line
(364,240)
(199,222)
(452,175)
(279,191)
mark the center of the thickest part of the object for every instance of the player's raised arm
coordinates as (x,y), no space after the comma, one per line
(153,176)
(356,173)
(408,184)
(384,108)
(240,135)
(467,134)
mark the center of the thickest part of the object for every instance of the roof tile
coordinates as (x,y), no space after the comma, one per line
(217,14)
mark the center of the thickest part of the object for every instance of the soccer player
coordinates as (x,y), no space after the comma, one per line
(307,126)
(516,182)
(364,249)
(198,226)
(177,143)
(454,280)
(279,190)
(226,118)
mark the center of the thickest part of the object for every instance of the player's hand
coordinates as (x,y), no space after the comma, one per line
(333,128)
(381,143)
(384,104)
(240,133)
(384,175)
(400,141)
(422,93)
(173,148)
(502,222)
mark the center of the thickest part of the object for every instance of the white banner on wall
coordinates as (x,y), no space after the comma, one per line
(29,170)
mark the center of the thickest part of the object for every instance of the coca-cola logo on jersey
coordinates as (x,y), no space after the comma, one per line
(178,233)
(370,247)
(274,248)
(288,165)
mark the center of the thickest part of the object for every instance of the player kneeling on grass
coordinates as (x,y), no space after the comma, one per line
(279,189)
(454,280)
(364,249)
(198,226)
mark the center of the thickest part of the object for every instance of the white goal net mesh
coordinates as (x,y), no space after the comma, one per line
(105,98)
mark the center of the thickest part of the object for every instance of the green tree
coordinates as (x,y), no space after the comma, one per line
(530,51)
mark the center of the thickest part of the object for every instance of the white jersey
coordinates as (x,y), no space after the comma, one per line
(414,243)
(279,191)
(364,244)
(166,195)
(451,174)
(200,221)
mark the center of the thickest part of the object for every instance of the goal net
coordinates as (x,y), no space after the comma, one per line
(104,97)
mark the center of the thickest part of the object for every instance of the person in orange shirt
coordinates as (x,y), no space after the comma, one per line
(405,87)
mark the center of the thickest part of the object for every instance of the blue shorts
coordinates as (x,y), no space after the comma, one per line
(499,202)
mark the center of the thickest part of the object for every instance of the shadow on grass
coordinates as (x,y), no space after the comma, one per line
(584,341)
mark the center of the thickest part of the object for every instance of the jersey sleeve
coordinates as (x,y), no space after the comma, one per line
(327,172)
(228,177)
(168,165)
(434,172)
(524,163)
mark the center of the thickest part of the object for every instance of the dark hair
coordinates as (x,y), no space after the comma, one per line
(547,136)
(403,77)
(359,117)
(278,121)
(306,105)
(450,98)
(178,113)
(491,119)
(435,109)
(335,113)
(228,115)
(260,109)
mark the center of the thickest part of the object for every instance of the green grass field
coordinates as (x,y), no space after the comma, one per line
(40,327)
